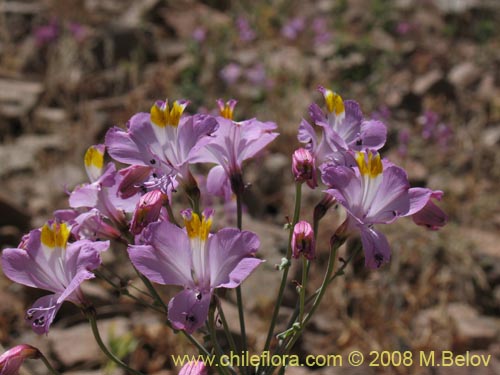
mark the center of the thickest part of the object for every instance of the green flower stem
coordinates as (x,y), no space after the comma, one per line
(239,297)
(91,316)
(123,282)
(213,338)
(305,269)
(298,194)
(47,364)
(171,215)
(125,292)
(309,299)
(319,297)
(229,336)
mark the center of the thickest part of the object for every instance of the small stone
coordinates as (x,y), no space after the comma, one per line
(464,74)
(423,83)
(77,344)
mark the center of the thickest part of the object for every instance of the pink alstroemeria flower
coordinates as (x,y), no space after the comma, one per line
(164,140)
(195,260)
(12,360)
(47,261)
(234,142)
(344,129)
(371,194)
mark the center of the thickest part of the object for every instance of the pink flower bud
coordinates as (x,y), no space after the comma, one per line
(148,210)
(303,167)
(12,359)
(303,240)
(194,368)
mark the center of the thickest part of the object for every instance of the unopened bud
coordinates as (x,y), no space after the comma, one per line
(133,177)
(148,210)
(12,359)
(303,240)
(303,167)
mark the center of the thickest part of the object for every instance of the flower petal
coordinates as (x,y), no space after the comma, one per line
(188,310)
(28,266)
(373,135)
(430,216)
(133,146)
(166,259)
(194,134)
(346,185)
(218,183)
(42,313)
(375,247)
(392,199)
(231,257)
(307,135)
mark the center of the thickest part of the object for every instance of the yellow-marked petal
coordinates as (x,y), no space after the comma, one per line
(176,113)
(55,235)
(159,114)
(197,228)
(369,164)
(334,102)
(94,157)
(162,115)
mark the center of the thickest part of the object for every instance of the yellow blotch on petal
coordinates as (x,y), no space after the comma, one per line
(197,228)
(162,115)
(334,102)
(94,157)
(55,235)
(369,164)
(227,111)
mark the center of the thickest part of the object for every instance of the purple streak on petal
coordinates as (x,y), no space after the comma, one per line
(188,310)
(230,254)
(166,259)
(42,313)
(376,248)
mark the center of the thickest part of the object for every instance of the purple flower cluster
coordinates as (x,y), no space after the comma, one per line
(133,205)
(372,191)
